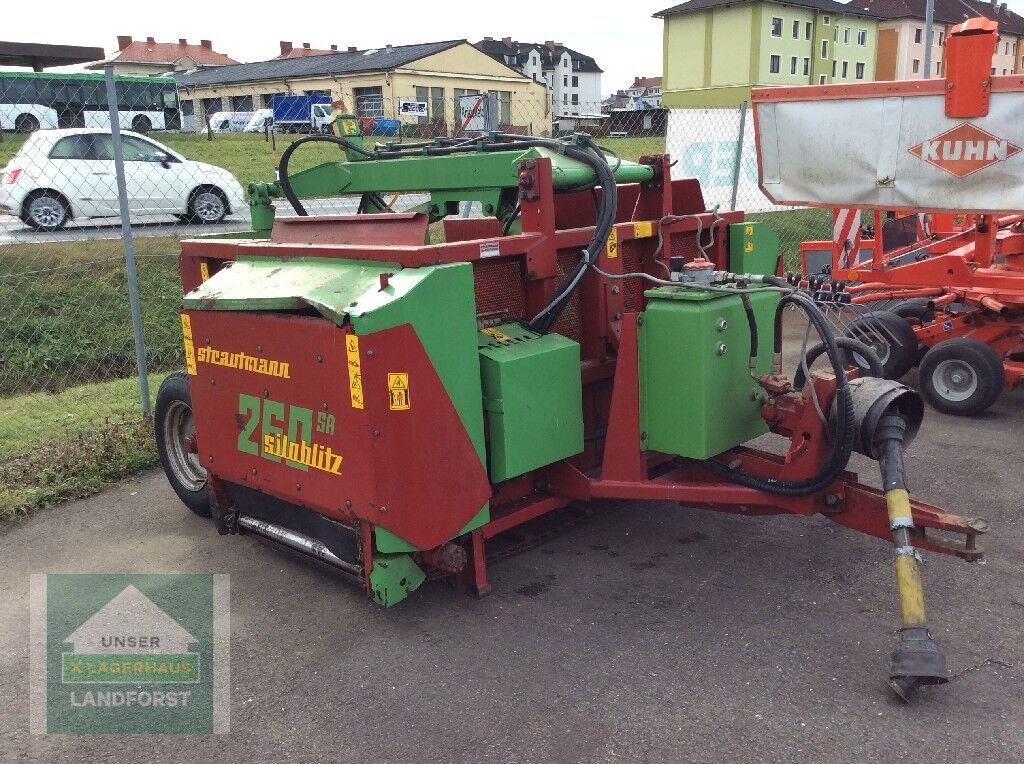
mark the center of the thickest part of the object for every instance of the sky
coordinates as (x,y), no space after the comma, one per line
(624,39)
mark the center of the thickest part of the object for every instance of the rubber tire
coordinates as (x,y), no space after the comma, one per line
(191,214)
(175,389)
(984,362)
(27,219)
(26,123)
(903,353)
(141,124)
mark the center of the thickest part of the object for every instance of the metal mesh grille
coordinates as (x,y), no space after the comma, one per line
(569,324)
(499,289)
(632,289)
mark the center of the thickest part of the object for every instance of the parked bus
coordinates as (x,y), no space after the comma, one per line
(39,100)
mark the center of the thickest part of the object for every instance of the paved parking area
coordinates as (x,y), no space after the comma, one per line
(647,633)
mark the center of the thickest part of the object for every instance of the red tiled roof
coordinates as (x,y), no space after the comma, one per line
(646,82)
(165,53)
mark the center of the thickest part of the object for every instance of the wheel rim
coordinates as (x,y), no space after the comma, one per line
(882,349)
(179,444)
(46,211)
(208,206)
(954,380)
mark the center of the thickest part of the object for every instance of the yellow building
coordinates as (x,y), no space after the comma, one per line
(374,83)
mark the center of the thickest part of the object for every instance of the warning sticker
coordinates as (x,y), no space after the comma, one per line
(748,246)
(355,375)
(643,230)
(204,271)
(499,335)
(398,391)
(748,231)
(190,349)
(612,246)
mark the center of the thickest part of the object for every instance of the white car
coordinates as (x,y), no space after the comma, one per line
(59,175)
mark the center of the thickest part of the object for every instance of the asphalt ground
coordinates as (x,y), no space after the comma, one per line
(646,632)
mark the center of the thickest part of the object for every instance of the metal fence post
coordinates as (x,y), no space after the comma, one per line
(126,235)
(739,155)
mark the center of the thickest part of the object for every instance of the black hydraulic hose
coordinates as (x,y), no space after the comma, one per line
(845,430)
(846,343)
(282,174)
(748,310)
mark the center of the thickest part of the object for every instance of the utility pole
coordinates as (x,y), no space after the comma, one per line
(929,17)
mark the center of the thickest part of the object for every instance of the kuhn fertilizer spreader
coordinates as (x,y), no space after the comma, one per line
(389,396)
(936,279)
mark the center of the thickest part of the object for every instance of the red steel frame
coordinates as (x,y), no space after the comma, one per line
(603,318)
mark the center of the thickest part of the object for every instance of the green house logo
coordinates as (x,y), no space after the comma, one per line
(125,653)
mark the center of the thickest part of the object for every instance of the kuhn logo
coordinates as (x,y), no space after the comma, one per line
(964,150)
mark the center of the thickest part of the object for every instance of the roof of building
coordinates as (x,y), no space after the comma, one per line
(149,51)
(645,82)
(828,6)
(39,55)
(946,11)
(349,62)
(288,50)
(550,53)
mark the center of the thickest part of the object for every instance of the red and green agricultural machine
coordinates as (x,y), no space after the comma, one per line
(389,403)
(939,285)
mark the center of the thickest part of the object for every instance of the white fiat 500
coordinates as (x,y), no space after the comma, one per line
(60,175)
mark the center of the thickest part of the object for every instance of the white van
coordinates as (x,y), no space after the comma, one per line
(259,121)
(228,121)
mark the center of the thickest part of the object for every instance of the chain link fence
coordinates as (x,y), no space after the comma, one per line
(71,411)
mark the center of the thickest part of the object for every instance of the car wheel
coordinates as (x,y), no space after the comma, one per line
(892,339)
(45,211)
(207,205)
(141,124)
(26,123)
(961,376)
(176,444)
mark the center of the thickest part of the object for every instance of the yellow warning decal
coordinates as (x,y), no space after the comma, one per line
(748,231)
(204,271)
(398,391)
(355,375)
(853,276)
(612,246)
(643,230)
(748,246)
(190,349)
(499,335)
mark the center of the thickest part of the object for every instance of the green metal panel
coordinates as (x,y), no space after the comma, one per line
(439,303)
(533,399)
(697,398)
(753,248)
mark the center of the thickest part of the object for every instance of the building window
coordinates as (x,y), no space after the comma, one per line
(534,59)
(993,70)
(835,35)
(862,37)
(774,64)
(792,65)
(860,71)
(846,69)
(1006,50)
(796,29)
(575,81)
(846,36)
(1004,71)
(942,39)
(807,30)
(776,26)
(565,80)
(916,66)
(917,35)
(565,63)
(575,99)
(825,20)
(822,79)
(938,67)
(824,48)
(565,98)
(833,69)
(807,67)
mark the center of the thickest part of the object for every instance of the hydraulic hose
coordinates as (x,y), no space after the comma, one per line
(282,173)
(845,427)
(846,343)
